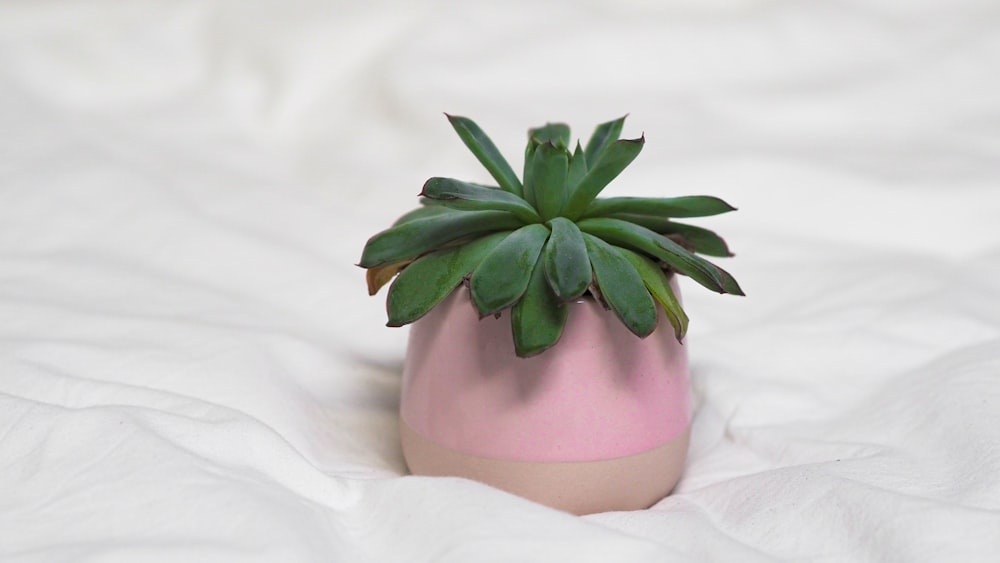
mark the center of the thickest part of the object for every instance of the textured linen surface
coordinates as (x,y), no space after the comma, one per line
(190,369)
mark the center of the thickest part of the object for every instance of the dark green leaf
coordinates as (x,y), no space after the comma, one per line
(621,287)
(636,237)
(659,286)
(473,197)
(549,179)
(419,236)
(577,169)
(487,153)
(702,241)
(502,277)
(686,206)
(567,266)
(431,278)
(613,160)
(555,133)
(604,134)
(423,213)
(529,164)
(538,318)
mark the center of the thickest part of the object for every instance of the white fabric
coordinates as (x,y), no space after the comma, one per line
(190,368)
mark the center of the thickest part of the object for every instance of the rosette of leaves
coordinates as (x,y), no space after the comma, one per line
(535,243)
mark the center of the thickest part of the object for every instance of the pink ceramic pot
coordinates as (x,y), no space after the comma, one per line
(598,422)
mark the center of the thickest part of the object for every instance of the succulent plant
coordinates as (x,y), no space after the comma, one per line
(534,245)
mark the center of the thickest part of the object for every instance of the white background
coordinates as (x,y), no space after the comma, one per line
(191,370)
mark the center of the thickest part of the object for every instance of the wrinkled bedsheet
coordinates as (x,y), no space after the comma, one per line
(191,370)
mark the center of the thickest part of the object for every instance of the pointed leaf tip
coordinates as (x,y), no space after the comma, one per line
(603,135)
(609,164)
(486,153)
(637,237)
(556,133)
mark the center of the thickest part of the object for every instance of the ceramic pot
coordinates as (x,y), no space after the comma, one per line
(598,422)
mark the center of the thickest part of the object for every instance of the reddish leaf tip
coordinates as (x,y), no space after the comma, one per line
(423,189)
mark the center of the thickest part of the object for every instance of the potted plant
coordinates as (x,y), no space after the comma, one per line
(493,278)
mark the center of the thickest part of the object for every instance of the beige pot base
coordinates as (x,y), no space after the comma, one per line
(585,487)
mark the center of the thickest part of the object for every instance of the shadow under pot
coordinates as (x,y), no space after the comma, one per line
(598,422)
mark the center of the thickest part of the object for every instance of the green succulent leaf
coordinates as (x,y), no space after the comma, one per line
(659,287)
(487,153)
(637,237)
(419,236)
(503,275)
(702,241)
(555,133)
(729,284)
(686,206)
(612,161)
(549,170)
(473,197)
(604,134)
(431,278)
(621,287)
(529,165)
(577,169)
(538,319)
(423,213)
(567,266)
